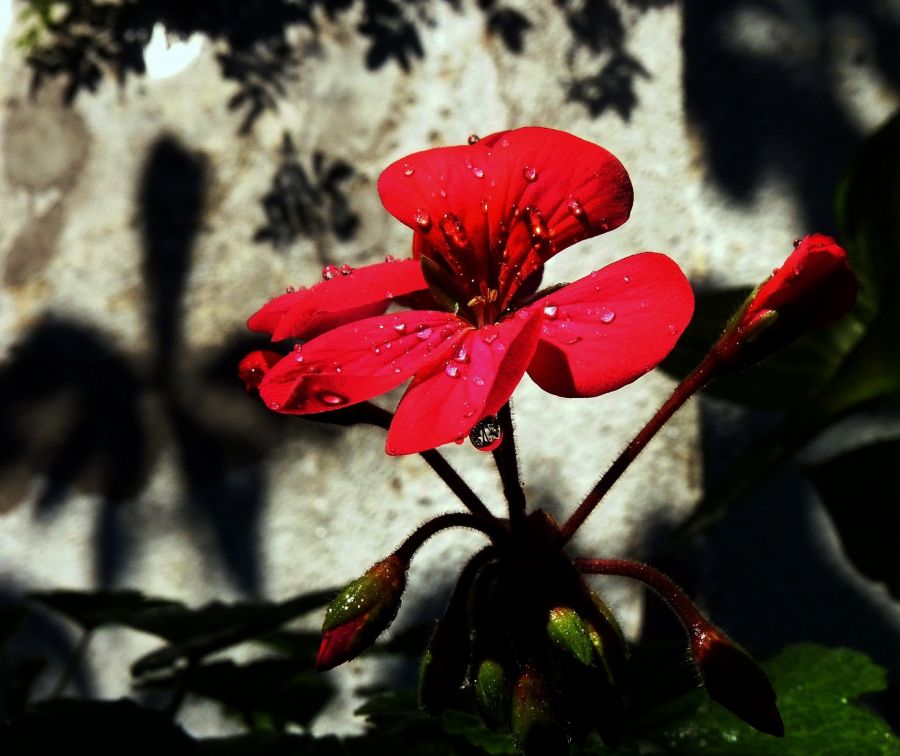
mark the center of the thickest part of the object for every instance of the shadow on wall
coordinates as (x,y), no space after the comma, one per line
(261,53)
(82,414)
(761,90)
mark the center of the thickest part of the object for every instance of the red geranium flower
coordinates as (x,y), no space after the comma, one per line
(486,217)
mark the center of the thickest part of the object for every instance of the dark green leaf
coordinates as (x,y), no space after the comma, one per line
(267,692)
(859,489)
(270,744)
(90,609)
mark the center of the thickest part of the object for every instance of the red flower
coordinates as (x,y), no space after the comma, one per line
(486,218)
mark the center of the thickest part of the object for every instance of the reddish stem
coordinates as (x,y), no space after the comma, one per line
(700,376)
(664,586)
(508,467)
(492,528)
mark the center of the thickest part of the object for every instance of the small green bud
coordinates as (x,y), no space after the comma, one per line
(570,633)
(492,692)
(535,727)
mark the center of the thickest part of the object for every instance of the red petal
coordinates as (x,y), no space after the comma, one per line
(359,294)
(612,326)
(253,368)
(358,361)
(445,401)
(531,192)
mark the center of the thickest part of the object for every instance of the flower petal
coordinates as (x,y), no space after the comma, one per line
(358,361)
(447,399)
(609,328)
(496,210)
(350,295)
(253,368)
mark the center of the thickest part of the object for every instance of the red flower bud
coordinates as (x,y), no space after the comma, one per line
(813,288)
(361,612)
(734,680)
(535,727)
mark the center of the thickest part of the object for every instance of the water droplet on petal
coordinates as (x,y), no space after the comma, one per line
(459,441)
(576,208)
(607,316)
(572,340)
(797,270)
(473,138)
(523,314)
(478,380)
(346,270)
(797,243)
(529,173)
(451,370)
(443,192)
(478,172)
(329,272)
(489,338)
(274,406)
(376,349)
(550,311)
(500,346)
(400,327)
(297,355)
(332,399)
(671,329)
(338,369)
(487,434)
(408,170)
(461,354)
(423,220)
(627,279)
(504,142)
(484,205)
(290,290)
(423,332)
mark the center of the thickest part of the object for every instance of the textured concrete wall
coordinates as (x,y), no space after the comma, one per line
(144,221)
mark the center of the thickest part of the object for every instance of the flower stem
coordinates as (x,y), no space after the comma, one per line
(72,664)
(374,415)
(661,584)
(508,467)
(698,378)
(492,528)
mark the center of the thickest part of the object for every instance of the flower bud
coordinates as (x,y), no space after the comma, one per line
(492,693)
(734,680)
(814,288)
(568,632)
(361,611)
(535,727)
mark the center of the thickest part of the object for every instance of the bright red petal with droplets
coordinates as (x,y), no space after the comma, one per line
(253,368)
(359,361)
(445,401)
(530,192)
(359,294)
(612,326)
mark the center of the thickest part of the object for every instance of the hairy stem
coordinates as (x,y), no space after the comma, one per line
(508,467)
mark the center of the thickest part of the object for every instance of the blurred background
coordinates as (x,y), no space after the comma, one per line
(165,167)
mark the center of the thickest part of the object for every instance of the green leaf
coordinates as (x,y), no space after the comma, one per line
(271,691)
(818,690)
(90,609)
(865,521)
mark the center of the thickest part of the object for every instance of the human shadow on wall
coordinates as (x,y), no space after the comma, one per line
(79,413)
(761,92)
(262,45)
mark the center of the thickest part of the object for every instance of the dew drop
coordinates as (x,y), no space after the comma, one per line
(504,142)
(376,349)
(338,369)
(331,399)
(274,406)
(797,243)
(487,434)
(390,258)
(607,316)
(523,314)
(298,357)
(484,205)
(478,380)
(500,346)
(423,332)
(490,338)
(461,354)
(550,311)
(345,270)
(671,329)
(627,279)
(459,441)
(451,370)
(797,270)
(423,220)
(290,290)
(329,272)
(388,295)
(529,173)
(478,172)
(400,327)
(408,170)
(576,209)
(443,192)
(473,138)
(572,340)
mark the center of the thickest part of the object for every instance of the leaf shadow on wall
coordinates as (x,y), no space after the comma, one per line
(763,92)
(79,413)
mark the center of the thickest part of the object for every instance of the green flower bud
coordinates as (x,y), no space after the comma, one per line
(570,633)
